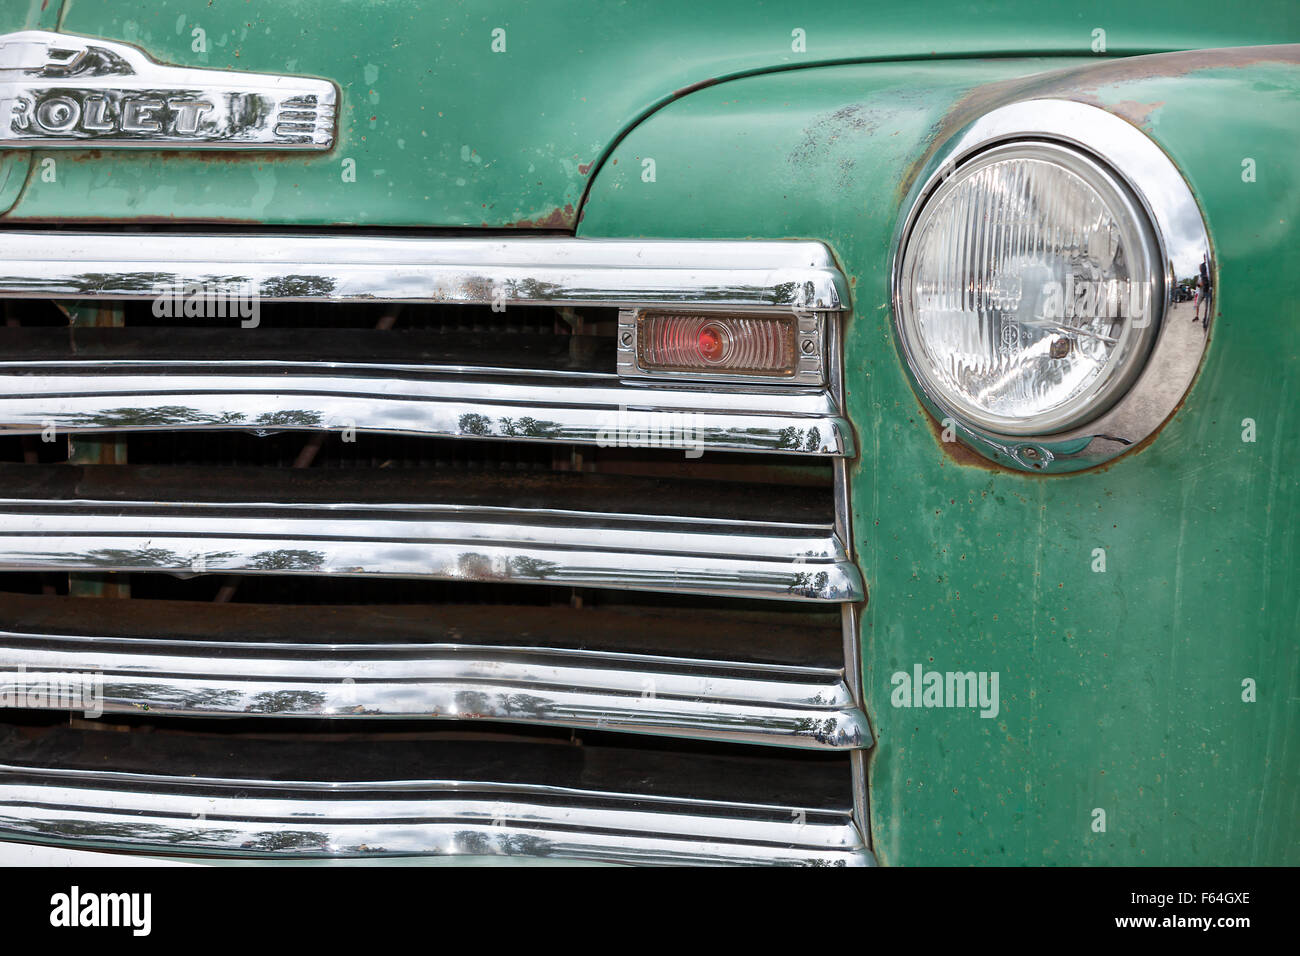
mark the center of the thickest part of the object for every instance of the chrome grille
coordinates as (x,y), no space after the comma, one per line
(386,532)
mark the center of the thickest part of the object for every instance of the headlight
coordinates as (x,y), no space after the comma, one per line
(1030,289)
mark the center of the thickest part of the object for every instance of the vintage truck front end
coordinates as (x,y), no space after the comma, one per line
(505,432)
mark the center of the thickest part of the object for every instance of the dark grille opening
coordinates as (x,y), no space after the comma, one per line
(306,590)
(281,610)
(32,449)
(295,751)
(282,450)
(347,351)
(26,582)
(538,339)
(333,452)
(33,312)
(517,319)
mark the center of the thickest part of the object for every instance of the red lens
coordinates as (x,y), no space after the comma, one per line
(710,343)
(719,342)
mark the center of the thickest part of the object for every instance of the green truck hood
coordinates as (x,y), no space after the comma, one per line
(442,131)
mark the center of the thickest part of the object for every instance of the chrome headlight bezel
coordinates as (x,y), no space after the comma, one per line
(1151,391)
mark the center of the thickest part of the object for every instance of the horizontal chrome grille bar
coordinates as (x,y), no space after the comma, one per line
(58,523)
(594,410)
(427,663)
(588,816)
(525,271)
(301,825)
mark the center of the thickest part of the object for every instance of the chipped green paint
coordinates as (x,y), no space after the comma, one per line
(445,132)
(1119,690)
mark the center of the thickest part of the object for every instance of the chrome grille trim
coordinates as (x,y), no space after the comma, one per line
(438,818)
(534,684)
(251,798)
(341,267)
(767,560)
(224,395)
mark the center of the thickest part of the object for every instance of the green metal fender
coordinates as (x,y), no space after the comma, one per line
(1149,713)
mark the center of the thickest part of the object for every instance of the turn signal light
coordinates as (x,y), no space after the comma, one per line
(697,342)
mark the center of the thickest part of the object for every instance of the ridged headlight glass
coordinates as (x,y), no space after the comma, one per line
(1029,290)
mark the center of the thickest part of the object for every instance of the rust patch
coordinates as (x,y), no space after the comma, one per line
(1139,114)
(1081,83)
(1164,65)
(584,168)
(959,453)
(686,90)
(555,219)
(232,157)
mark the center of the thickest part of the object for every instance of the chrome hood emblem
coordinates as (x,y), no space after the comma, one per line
(60,90)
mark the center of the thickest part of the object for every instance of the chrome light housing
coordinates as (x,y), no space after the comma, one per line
(1036,276)
(1026,289)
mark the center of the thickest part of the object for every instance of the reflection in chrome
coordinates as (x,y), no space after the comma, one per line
(62,90)
(770,560)
(1184,245)
(638,693)
(333,818)
(226,394)
(528,271)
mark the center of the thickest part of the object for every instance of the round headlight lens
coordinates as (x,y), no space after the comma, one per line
(1029,290)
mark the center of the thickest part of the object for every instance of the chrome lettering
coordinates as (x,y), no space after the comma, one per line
(94,118)
(63,90)
(188,113)
(58,114)
(137,116)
